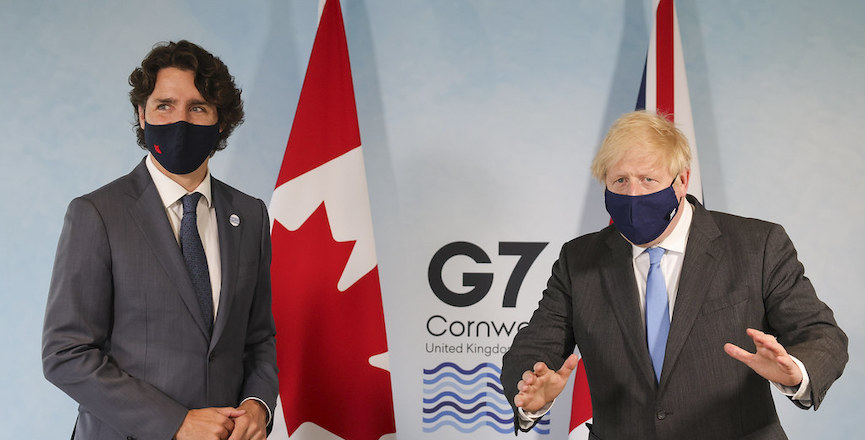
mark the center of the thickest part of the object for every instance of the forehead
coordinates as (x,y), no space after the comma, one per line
(639,159)
(176,82)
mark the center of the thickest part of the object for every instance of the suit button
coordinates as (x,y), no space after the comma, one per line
(210,357)
(661,415)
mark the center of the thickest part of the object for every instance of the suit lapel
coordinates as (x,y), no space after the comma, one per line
(617,274)
(149,215)
(698,270)
(229,249)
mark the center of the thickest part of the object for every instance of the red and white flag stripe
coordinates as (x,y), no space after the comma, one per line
(666,82)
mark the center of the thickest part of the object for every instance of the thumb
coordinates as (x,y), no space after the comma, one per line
(568,366)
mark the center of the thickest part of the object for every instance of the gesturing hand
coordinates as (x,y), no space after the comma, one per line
(770,361)
(541,385)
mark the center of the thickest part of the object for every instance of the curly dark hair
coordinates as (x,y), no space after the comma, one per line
(212,80)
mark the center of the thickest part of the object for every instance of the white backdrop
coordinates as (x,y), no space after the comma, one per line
(478,120)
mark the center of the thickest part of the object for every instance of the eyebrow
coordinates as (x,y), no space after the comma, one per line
(200,102)
(174,101)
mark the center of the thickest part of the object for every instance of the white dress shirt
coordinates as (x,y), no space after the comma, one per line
(171,192)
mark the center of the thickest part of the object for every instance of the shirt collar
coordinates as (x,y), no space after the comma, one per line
(170,191)
(678,238)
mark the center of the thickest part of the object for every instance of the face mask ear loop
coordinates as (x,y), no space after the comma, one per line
(676,210)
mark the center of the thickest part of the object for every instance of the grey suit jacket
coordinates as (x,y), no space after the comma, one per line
(737,273)
(123,335)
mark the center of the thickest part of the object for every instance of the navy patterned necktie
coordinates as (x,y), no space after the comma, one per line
(196,260)
(657,310)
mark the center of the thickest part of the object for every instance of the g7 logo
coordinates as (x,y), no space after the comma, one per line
(480,282)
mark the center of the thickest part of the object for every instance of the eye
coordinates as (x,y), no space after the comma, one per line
(199,109)
(620,180)
(162,107)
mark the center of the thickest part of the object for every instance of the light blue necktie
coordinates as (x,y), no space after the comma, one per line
(657,310)
(196,260)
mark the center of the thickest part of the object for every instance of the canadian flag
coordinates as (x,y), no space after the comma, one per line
(664,89)
(332,351)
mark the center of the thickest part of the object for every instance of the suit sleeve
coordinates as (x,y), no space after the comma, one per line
(77,328)
(548,338)
(803,324)
(260,370)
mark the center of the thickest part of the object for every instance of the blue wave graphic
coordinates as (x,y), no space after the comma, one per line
(467,420)
(499,409)
(498,388)
(454,406)
(504,410)
(457,388)
(456,396)
(474,370)
(468,399)
(459,379)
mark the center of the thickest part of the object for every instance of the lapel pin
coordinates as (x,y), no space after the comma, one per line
(234,220)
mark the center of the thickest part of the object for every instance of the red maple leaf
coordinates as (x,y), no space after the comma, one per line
(325,337)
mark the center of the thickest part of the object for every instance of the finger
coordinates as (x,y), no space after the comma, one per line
(738,353)
(540,369)
(521,386)
(761,338)
(568,366)
(769,344)
(786,363)
(774,350)
(518,401)
(228,427)
(529,378)
(753,333)
(231,412)
(239,430)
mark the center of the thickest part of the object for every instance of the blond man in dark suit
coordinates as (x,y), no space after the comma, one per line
(736,311)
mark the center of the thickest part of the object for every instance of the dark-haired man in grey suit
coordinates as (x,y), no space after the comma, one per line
(159,319)
(659,303)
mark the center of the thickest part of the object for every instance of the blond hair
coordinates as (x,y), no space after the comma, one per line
(654,131)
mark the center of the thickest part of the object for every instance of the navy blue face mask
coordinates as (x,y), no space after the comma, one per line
(181,147)
(642,219)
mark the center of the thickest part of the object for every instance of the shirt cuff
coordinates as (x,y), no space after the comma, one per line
(527,418)
(269,413)
(801,393)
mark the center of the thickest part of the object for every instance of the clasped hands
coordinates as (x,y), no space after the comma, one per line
(246,422)
(542,385)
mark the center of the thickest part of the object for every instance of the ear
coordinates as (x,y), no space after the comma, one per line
(685,178)
(141,116)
